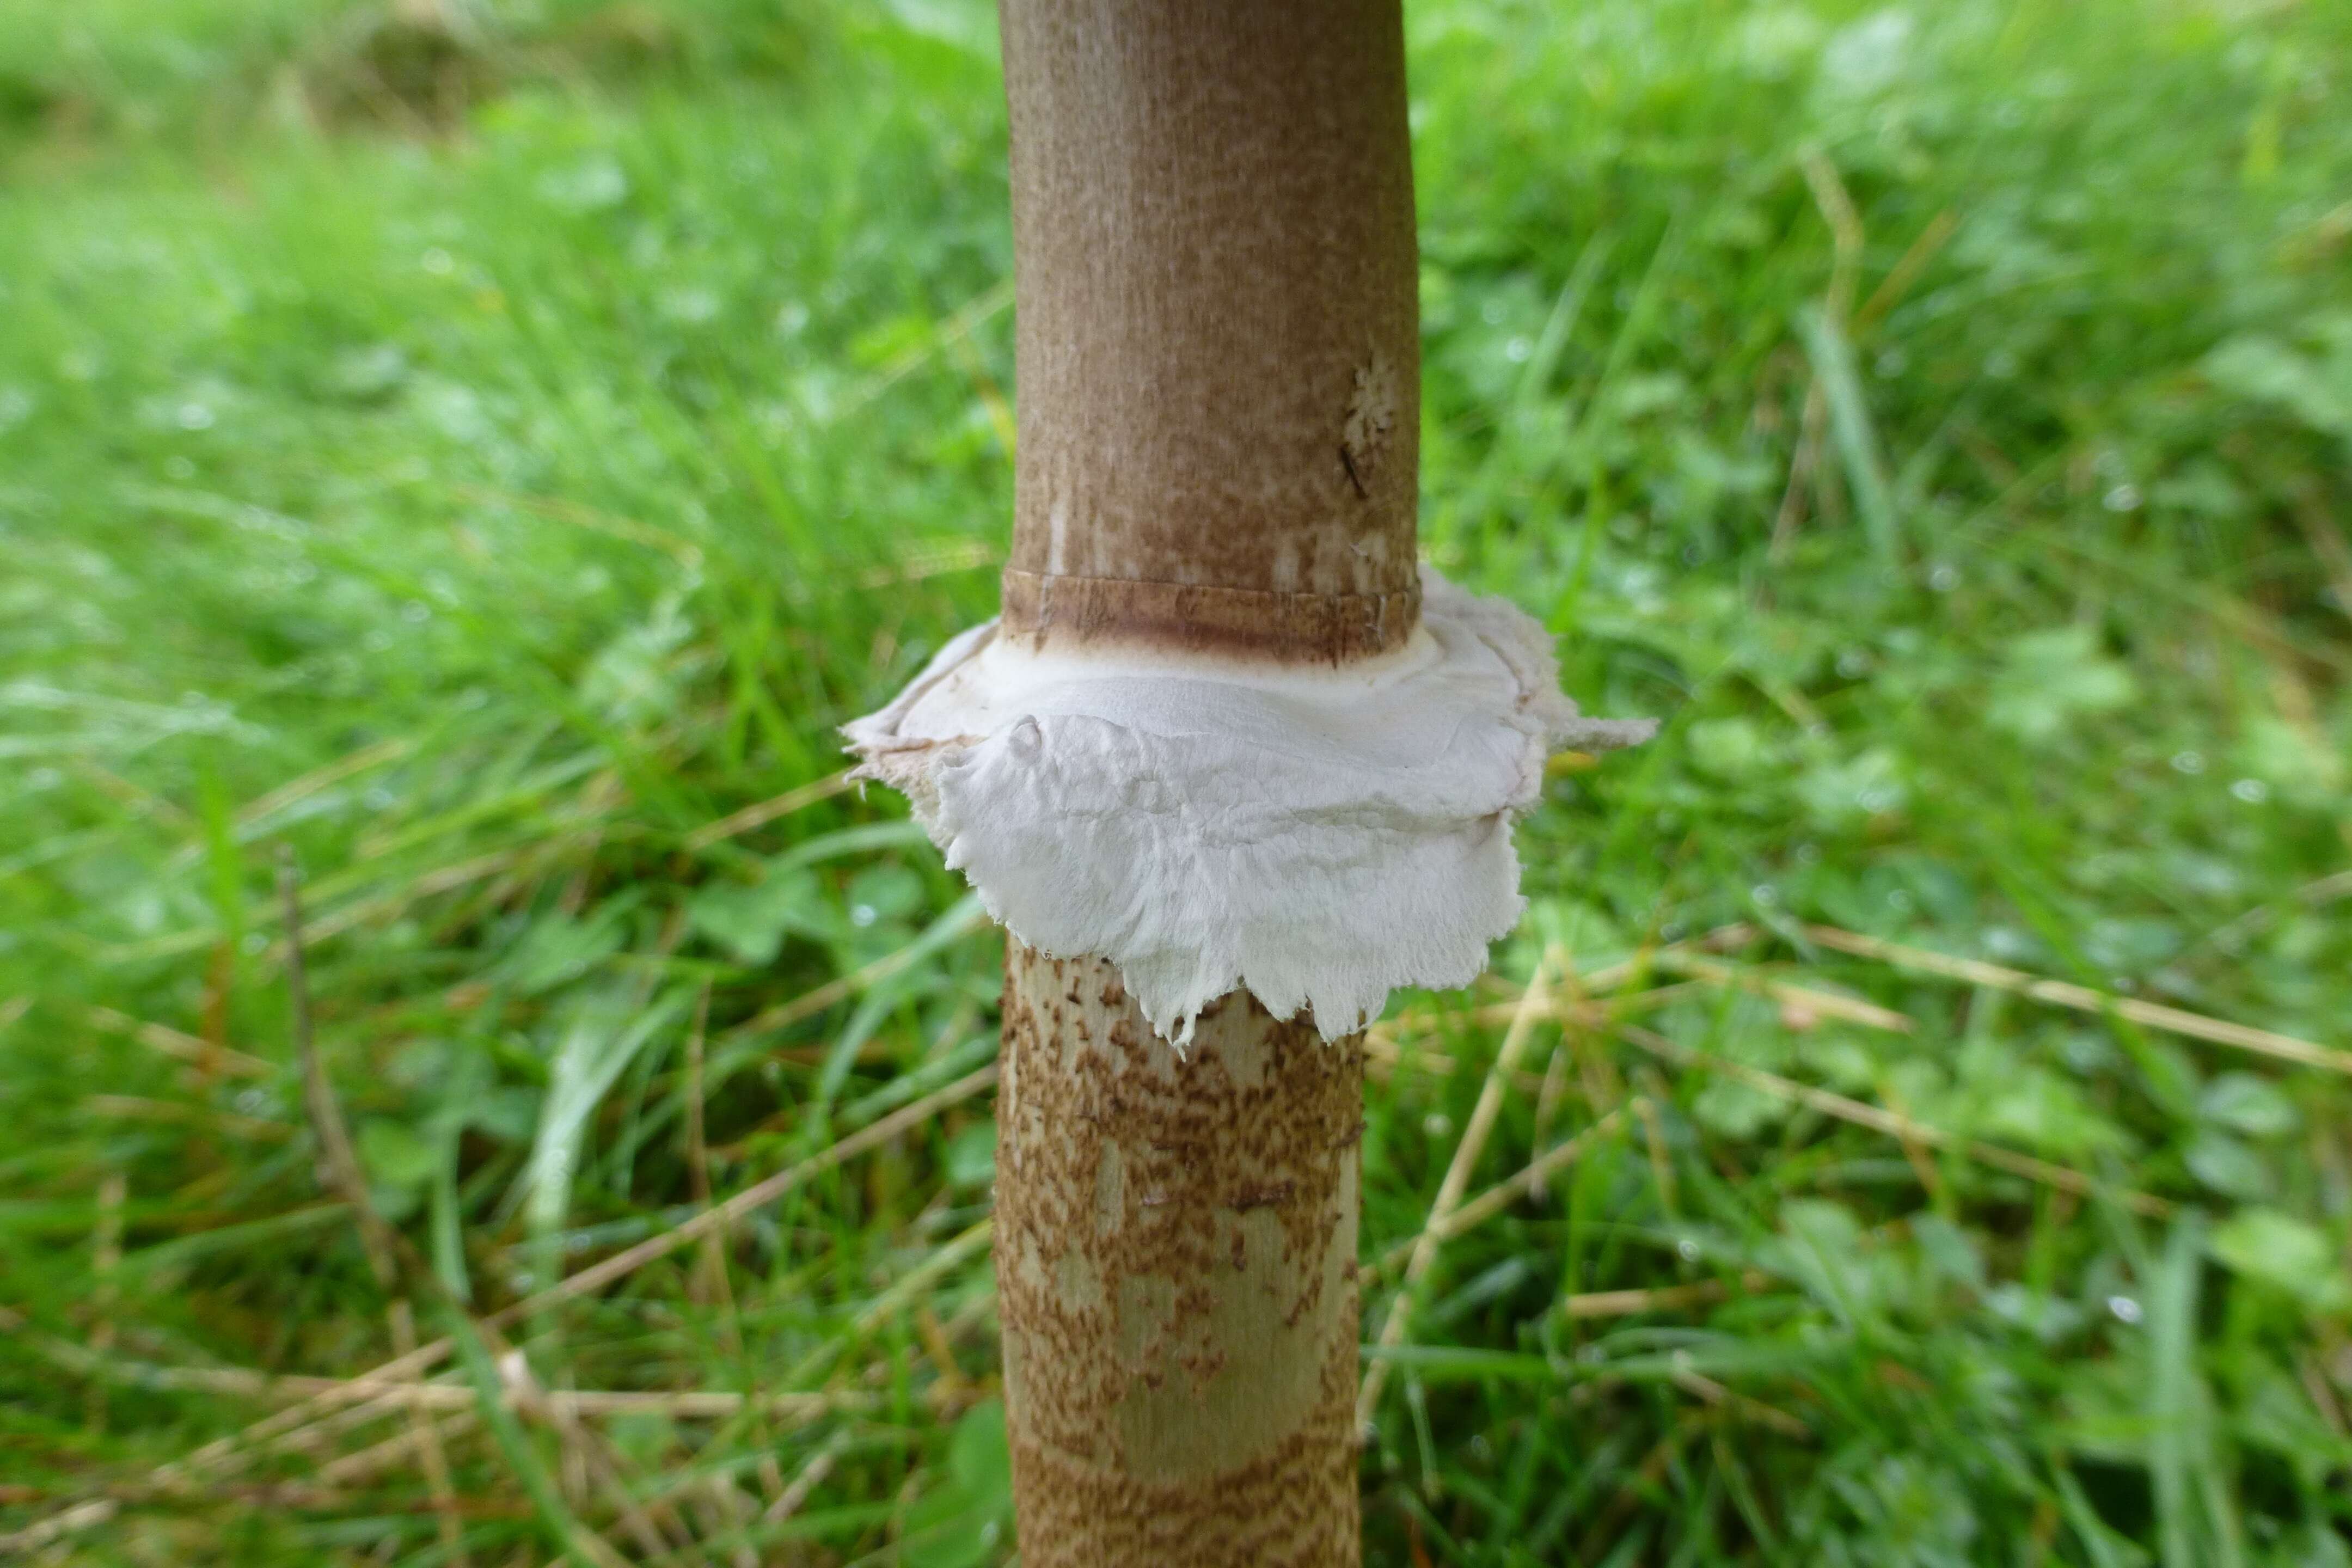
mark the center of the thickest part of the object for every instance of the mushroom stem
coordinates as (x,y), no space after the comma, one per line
(1218,357)
(1176,1264)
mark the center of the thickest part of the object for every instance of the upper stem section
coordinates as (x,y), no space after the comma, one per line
(1218,339)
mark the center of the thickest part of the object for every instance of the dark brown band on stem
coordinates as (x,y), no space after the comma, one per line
(1218,332)
(1176,1269)
(1319,629)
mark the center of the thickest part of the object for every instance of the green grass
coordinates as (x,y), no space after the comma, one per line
(481,475)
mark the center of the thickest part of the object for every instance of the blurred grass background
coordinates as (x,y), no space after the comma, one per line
(486,445)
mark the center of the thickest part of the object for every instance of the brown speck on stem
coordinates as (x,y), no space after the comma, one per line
(1347,461)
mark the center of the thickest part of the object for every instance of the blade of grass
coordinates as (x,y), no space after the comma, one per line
(561,1530)
(1457,1179)
(1857,442)
(385,1386)
(1898,1127)
(2083,999)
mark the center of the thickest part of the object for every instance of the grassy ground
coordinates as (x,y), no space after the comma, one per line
(486,454)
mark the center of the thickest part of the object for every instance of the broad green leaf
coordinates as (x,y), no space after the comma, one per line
(884,893)
(558,948)
(1736,1110)
(396,1154)
(751,922)
(507,1114)
(2245,1103)
(1730,749)
(2225,1164)
(979,1454)
(2037,1107)
(971,1156)
(2051,679)
(963,1523)
(2286,1253)
(2314,390)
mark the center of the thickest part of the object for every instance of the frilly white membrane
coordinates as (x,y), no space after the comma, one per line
(1316,836)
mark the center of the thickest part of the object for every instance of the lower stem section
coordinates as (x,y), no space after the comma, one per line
(1176,1266)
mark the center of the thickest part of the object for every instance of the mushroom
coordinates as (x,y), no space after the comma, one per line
(1229,767)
